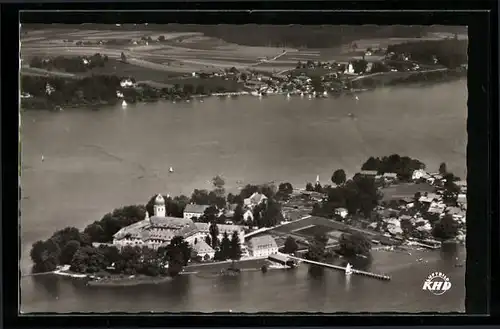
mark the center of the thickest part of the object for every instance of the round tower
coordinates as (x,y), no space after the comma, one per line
(159,207)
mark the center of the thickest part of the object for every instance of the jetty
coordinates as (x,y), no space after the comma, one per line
(343,269)
(240,93)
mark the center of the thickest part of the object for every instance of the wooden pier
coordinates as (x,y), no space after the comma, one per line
(341,268)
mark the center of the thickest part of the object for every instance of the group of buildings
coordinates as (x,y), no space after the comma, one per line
(158,230)
(431,203)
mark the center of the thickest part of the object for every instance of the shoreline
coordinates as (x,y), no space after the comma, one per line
(214,270)
(358,81)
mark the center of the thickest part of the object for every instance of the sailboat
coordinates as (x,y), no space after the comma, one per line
(317,179)
(356,98)
(171,170)
(302,94)
(124,104)
(288,95)
(43,158)
(348,269)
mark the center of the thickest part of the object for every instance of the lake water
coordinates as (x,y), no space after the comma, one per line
(98,161)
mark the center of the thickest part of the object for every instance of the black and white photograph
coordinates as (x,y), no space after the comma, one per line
(242,168)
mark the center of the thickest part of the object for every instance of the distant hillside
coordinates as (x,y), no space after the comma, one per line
(297,36)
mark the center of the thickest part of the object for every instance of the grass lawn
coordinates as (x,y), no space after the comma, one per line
(217,267)
(314,230)
(405,190)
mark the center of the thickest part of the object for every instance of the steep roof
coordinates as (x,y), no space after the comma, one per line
(262,242)
(158,228)
(196,208)
(201,247)
(369,172)
(205,227)
(255,198)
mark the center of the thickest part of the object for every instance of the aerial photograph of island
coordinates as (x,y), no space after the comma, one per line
(242,168)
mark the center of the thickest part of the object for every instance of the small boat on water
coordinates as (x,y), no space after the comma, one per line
(171,170)
(348,269)
(43,158)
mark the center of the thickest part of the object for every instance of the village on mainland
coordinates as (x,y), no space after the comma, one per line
(266,227)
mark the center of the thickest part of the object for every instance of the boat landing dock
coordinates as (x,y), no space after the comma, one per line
(341,268)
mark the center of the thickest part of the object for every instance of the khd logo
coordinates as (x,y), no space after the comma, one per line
(437,283)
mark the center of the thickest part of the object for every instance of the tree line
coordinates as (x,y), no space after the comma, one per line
(76,64)
(448,52)
(73,247)
(403,166)
(349,245)
(358,195)
(266,214)
(299,36)
(102,89)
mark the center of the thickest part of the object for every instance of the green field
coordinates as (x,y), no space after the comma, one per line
(400,191)
(314,230)
(217,267)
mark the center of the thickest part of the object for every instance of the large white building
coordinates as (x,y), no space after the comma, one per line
(158,230)
(262,246)
(254,200)
(193,211)
(204,230)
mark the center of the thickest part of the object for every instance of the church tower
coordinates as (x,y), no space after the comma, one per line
(159,207)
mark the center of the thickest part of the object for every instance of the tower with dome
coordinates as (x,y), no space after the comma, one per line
(158,230)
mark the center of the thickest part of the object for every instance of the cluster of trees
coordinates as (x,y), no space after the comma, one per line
(103,230)
(449,52)
(77,64)
(265,214)
(350,245)
(58,249)
(93,89)
(403,166)
(445,228)
(102,89)
(72,247)
(225,248)
(290,246)
(357,195)
(359,66)
(63,244)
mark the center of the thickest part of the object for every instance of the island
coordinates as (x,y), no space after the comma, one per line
(393,202)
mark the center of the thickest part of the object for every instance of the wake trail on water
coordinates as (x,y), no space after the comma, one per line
(102,150)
